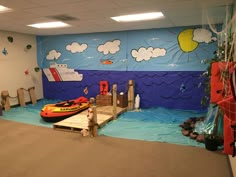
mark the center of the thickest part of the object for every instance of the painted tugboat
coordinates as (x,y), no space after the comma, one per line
(62,110)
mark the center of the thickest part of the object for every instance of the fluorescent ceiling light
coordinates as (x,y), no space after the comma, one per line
(56,24)
(138,17)
(4,9)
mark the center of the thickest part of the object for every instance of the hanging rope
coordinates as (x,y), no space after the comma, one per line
(228,25)
(225,41)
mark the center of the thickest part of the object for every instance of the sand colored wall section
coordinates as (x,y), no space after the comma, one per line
(13,64)
(233,164)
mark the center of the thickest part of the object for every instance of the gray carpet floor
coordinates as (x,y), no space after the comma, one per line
(34,151)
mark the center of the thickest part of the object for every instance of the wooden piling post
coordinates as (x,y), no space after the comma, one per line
(5,100)
(131,95)
(92,101)
(95,127)
(114,95)
(32,95)
(21,96)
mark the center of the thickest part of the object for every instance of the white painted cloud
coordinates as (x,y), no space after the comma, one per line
(109,47)
(76,47)
(172,65)
(147,53)
(53,54)
(66,59)
(203,35)
(158,52)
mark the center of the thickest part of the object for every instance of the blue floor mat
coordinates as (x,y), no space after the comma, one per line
(155,124)
(30,114)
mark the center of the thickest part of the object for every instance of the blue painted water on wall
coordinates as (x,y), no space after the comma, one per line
(174,90)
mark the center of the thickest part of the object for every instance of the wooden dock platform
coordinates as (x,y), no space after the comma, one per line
(78,122)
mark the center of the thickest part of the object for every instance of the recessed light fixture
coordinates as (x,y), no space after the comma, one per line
(56,24)
(138,17)
(4,9)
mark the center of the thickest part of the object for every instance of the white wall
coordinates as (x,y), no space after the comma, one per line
(14,64)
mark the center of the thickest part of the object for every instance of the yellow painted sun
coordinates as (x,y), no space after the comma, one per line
(185,39)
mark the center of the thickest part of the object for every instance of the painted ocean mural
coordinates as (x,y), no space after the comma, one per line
(166,64)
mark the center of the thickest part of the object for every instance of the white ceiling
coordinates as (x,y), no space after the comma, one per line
(94,15)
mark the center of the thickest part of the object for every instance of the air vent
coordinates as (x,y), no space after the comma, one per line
(62,17)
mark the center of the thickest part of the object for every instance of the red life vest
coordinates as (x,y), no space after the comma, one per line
(103,87)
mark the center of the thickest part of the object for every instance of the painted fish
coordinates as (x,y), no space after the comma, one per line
(106,62)
(182,88)
(4,52)
(86,90)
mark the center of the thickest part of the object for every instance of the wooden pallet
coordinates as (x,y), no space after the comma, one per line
(79,121)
